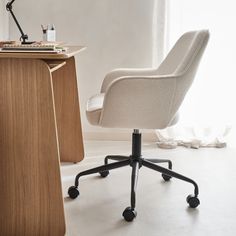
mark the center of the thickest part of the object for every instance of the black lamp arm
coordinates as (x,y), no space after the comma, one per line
(24,36)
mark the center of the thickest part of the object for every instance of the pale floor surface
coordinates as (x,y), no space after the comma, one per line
(161,206)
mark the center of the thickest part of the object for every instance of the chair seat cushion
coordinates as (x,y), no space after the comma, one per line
(94,108)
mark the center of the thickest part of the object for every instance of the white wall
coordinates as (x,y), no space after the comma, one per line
(4,24)
(117,33)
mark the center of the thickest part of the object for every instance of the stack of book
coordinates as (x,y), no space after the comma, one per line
(35,47)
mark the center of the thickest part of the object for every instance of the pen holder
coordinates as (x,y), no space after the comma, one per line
(49,35)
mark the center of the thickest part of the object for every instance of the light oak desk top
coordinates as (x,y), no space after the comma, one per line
(39,126)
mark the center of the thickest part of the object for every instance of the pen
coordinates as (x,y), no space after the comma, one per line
(43,29)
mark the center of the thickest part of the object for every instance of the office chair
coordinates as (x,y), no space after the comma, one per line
(146,99)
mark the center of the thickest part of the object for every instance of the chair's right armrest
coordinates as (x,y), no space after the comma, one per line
(138,101)
(117,73)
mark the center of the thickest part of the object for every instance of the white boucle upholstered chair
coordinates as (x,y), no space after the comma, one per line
(146,99)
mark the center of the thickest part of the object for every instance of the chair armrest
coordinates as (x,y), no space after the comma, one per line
(117,73)
(139,102)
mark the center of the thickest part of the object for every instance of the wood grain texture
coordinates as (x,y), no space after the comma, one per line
(31,197)
(68,112)
(55,65)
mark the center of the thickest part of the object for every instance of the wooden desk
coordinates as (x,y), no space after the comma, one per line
(39,125)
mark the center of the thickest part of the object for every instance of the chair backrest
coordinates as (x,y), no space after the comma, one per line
(183,61)
(186,51)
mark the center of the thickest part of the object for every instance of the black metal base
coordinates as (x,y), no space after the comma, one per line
(136,161)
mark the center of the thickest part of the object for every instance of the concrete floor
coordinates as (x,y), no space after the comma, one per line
(161,206)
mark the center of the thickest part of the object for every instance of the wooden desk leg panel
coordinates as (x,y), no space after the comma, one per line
(31,197)
(68,112)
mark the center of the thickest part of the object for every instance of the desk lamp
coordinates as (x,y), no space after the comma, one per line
(23,37)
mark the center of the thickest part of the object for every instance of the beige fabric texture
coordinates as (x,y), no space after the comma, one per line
(149,98)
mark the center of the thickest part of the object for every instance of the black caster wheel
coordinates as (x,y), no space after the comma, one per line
(193,201)
(129,214)
(166,177)
(73,192)
(104,173)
